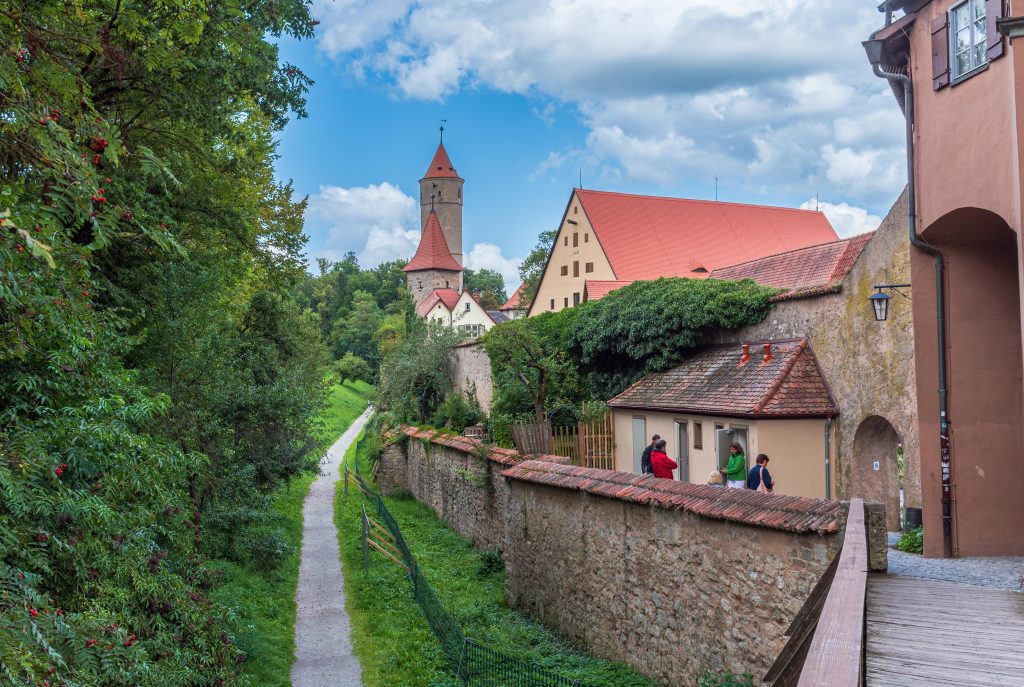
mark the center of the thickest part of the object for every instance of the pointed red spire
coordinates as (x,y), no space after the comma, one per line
(441,166)
(433,252)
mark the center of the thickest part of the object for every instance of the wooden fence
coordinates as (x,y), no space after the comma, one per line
(591,443)
(826,639)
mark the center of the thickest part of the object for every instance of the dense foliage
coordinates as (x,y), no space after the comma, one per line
(548,364)
(531,269)
(489,286)
(416,379)
(157,377)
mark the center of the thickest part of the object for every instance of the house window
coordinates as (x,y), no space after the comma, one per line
(589,267)
(575,209)
(576,299)
(575,268)
(467,307)
(586,238)
(698,435)
(566,305)
(565,270)
(552,303)
(968,38)
(575,239)
(567,240)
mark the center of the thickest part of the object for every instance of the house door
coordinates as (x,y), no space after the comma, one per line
(639,441)
(683,451)
(725,437)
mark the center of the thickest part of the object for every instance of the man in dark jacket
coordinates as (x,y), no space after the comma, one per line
(645,457)
(759,473)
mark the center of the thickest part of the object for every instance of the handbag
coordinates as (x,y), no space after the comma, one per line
(761,489)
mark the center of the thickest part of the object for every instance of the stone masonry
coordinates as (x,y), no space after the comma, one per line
(671,578)
(471,368)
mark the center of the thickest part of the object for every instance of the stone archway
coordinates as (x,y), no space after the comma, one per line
(875,466)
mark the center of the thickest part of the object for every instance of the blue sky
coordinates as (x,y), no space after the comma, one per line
(656,97)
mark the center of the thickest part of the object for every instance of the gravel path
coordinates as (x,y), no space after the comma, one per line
(998,573)
(323,646)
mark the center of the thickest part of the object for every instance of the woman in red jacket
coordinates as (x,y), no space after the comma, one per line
(661,465)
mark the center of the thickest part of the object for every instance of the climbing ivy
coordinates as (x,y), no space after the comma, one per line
(597,349)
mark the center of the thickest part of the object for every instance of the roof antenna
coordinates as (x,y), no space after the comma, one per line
(581,178)
(716,188)
(816,203)
(443,122)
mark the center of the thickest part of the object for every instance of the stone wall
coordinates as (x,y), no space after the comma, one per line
(669,577)
(868,365)
(471,369)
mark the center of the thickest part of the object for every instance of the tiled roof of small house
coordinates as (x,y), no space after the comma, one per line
(515,300)
(448,297)
(433,252)
(596,289)
(441,166)
(790,513)
(497,316)
(716,381)
(800,269)
(647,237)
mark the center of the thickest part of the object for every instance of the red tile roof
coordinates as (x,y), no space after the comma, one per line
(502,456)
(596,289)
(449,297)
(789,513)
(713,382)
(433,252)
(647,237)
(441,166)
(803,268)
(513,303)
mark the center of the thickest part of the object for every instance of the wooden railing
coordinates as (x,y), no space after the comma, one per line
(826,639)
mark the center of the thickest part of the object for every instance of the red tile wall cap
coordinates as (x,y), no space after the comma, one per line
(502,456)
(787,513)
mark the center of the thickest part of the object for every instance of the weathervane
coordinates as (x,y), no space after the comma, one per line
(443,122)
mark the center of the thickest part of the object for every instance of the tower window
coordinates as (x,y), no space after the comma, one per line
(575,239)
(565,270)
(575,268)
(446,285)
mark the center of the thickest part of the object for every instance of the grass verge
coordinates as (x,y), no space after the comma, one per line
(392,639)
(264,601)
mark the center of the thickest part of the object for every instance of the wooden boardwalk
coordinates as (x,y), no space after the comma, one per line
(941,634)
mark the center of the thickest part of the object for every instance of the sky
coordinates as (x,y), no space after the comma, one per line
(659,97)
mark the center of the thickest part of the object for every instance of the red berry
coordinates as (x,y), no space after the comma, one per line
(42,536)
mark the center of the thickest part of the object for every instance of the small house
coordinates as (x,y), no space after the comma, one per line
(770,397)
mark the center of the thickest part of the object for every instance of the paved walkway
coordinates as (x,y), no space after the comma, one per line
(997,573)
(323,645)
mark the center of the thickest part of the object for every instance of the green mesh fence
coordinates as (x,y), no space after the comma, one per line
(475,664)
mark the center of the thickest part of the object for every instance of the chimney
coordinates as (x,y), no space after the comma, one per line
(745,358)
(768,357)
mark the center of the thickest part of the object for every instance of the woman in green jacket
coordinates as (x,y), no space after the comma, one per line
(736,470)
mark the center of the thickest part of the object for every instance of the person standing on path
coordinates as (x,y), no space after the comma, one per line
(736,469)
(645,457)
(661,465)
(323,642)
(759,475)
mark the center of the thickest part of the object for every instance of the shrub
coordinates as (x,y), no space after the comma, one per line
(726,680)
(352,368)
(912,541)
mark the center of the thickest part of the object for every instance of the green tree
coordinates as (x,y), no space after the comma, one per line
(415,380)
(355,333)
(489,284)
(532,268)
(352,368)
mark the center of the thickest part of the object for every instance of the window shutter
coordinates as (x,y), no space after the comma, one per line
(993,11)
(940,51)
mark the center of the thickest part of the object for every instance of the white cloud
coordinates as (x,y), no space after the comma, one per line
(776,97)
(846,219)
(377,222)
(488,256)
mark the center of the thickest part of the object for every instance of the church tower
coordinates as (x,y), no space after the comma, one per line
(441,192)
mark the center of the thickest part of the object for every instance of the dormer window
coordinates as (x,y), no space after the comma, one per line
(968,37)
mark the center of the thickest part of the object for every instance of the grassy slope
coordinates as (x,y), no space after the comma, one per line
(390,635)
(265,601)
